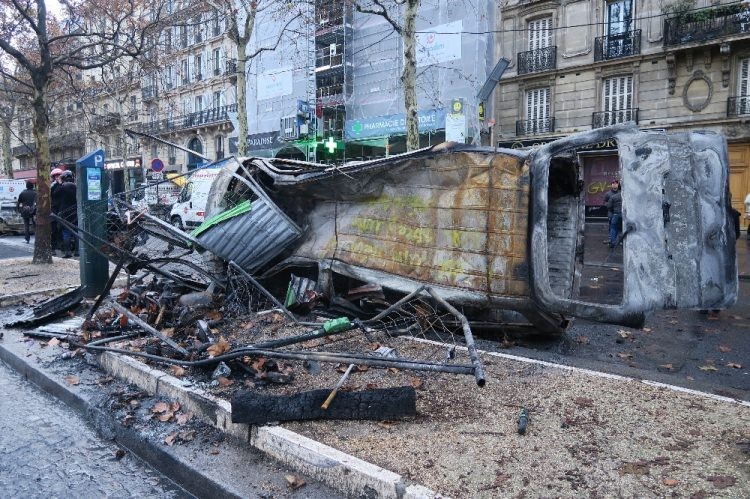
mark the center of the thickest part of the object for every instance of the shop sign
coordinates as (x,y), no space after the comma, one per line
(430,120)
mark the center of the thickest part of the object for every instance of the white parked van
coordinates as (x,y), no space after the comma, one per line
(190,209)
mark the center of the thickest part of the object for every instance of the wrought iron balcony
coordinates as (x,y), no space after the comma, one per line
(533,61)
(535,127)
(210,116)
(707,24)
(738,106)
(620,45)
(107,120)
(606,118)
(148,92)
(230,67)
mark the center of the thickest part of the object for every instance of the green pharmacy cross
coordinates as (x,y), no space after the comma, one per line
(331,145)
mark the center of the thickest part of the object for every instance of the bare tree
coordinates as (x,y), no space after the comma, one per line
(240,27)
(88,34)
(405,25)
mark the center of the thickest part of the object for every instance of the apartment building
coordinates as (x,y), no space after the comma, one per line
(585,64)
(188,90)
(333,93)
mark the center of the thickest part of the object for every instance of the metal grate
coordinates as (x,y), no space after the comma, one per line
(620,45)
(606,118)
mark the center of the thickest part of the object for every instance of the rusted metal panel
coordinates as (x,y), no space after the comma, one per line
(454,220)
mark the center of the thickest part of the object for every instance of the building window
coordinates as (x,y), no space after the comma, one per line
(219,147)
(198,103)
(538,118)
(218,99)
(183,36)
(541,54)
(168,78)
(215,23)
(617,102)
(154,150)
(198,33)
(742,101)
(217,61)
(198,66)
(185,66)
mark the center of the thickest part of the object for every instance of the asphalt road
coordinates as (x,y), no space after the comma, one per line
(48,451)
(686,348)
(15,246)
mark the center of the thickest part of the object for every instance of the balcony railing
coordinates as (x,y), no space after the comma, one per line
(107,120)
(533,61)
(620,45)
(738,106)
(606,118)
(706,24)
(535,127)
(230,67)
(190,120)
(148,92)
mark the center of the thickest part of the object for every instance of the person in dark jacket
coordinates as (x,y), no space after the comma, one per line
(614,206)
(54,192)
(614,188)
(26,206)
(68,212)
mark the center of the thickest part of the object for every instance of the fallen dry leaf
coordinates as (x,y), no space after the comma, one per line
(722,481)
(183,417)
(53,342)
(165,416)
(387,424)
(725,349)
(123,320)
(160,407)
(168,331)
(174,406)
(177,371)
(623,333)
(219,347)
(186,436)
(416,383)
(224,382)
(583,402)
(294,481)
(667,366)
(669,482)
(646,329)
(636,468)
(170,438)
(708,367)
(214,451)
(72,380)
(582,340)
(625,355)
(734,365)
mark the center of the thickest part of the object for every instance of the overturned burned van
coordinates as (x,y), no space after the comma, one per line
(497,232)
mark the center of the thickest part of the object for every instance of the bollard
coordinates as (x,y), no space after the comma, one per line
(91,196)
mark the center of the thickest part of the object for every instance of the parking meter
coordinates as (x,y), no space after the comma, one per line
(91,196)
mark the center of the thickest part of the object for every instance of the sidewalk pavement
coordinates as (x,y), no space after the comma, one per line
(589,433)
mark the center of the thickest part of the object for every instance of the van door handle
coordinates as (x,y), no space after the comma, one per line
(665,211)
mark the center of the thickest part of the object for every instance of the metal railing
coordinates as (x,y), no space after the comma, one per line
(533,61)
(606,118)
(148,92)
(535,127)
(620,45)
(230,67)
(738,106)
(190,120)
(706,24)
(107,120)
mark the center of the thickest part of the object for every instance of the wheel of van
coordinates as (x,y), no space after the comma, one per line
(177,222)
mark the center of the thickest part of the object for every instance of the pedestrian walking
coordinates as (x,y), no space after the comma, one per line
(69,213)
(614,206)
(614,188)
(747,212)
(55,208)
(26,206)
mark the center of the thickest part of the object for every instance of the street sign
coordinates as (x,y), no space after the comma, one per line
(157,165)
(157,176)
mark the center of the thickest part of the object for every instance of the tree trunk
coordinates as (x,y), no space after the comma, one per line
(409,75)
(242,96)
(43,243)
(7,153)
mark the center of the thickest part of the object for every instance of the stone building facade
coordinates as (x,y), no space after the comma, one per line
(582,64)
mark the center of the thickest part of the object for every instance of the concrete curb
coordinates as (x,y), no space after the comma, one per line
(343,472)
(180,471)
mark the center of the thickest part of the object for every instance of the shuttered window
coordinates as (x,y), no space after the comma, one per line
(537,111)
(743,86)
(617,100)
(540,33)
